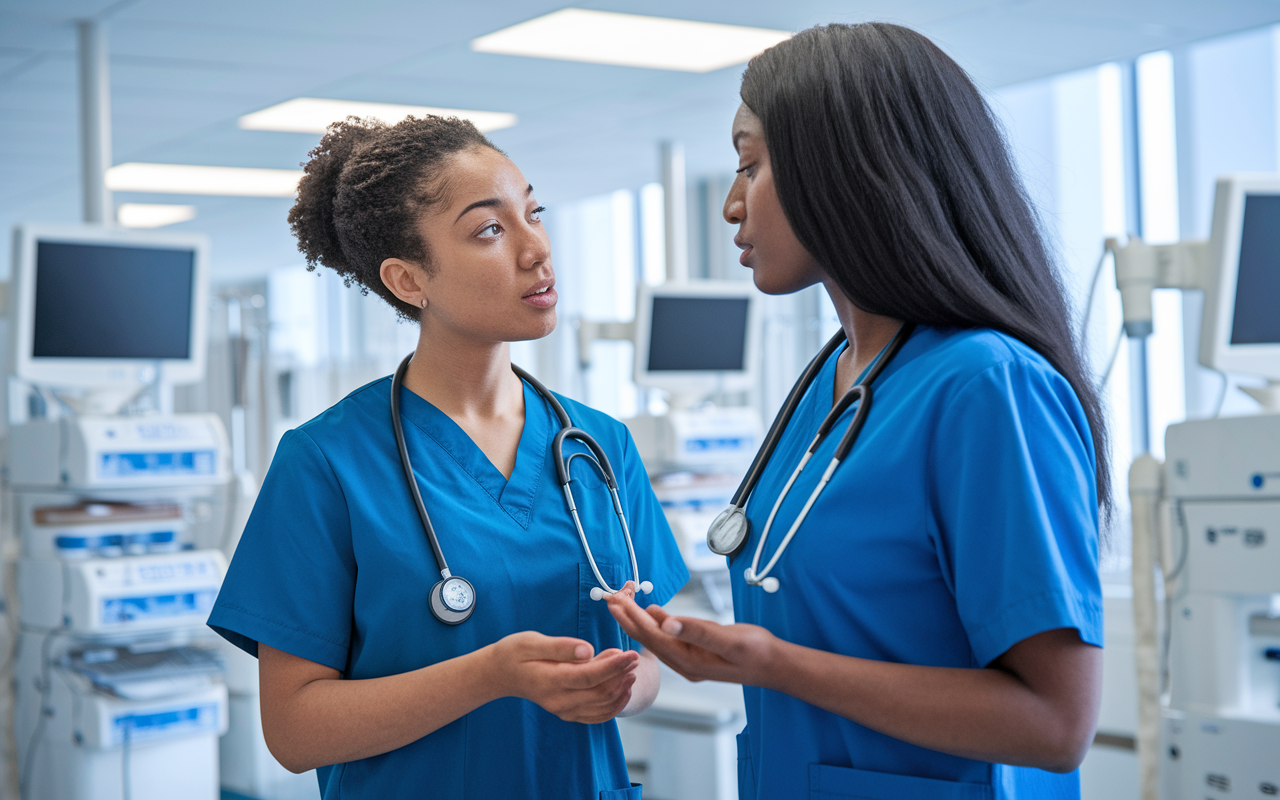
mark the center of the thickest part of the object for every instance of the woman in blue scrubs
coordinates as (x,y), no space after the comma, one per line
(935,624)
(329,584)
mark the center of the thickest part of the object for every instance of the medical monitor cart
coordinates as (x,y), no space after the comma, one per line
(119,685)
(1210,516)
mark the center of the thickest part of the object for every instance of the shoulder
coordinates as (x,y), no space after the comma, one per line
(955,361)
(966,353)
(985,379)
(364,408)
(356,421)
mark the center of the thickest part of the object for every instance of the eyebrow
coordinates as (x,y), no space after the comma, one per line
(492,202)
(737,135)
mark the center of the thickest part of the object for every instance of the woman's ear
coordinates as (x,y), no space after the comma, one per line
(405,280)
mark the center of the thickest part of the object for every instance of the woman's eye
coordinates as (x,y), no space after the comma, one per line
(536,214)
(490,231)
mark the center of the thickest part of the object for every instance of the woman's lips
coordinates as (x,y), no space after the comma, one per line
(746,253)
(545,299)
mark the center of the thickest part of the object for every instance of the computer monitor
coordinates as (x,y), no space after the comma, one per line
(1241,325)
(96,307)
(696,338)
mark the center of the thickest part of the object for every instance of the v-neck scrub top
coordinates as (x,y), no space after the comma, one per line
(334,567)
(964,520)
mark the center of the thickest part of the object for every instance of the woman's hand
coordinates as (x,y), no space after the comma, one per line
(698,649)
(560,674)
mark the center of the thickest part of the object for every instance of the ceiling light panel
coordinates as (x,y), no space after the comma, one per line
(190,179)
(314,115)
(630,40)
(152,215)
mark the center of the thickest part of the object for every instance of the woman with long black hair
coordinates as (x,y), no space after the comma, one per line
(920,614)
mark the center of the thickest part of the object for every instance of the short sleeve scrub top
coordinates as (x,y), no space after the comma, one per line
(964,520)
(334,567)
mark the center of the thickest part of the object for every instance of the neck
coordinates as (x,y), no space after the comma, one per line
(867,333)
(464,378)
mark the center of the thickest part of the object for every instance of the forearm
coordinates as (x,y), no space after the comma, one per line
(984,714)
(645,689)
(330,721)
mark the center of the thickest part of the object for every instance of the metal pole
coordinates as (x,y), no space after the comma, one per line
(675,211)
(1140,402)
(95,122)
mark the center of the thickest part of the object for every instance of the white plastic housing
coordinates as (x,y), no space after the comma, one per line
(102,373)
(1216,349)
(120,595)
(119,452)
(693,383)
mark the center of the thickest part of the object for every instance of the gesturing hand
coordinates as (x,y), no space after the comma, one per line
(698,649)
(559,674)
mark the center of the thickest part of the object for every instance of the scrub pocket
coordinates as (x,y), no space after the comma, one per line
(746,770)
(632,793)
(595,623)
(835,783)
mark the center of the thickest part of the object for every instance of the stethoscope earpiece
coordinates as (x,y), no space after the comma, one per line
(599,594)
(769,584)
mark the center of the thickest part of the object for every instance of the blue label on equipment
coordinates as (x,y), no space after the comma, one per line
(718,444)
(119,610)
(164,724)
(132,465)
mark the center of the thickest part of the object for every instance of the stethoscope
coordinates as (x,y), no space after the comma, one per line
(729,532)
(453,598)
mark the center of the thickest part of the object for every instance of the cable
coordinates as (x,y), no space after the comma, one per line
(1093,287)
(1166,640)
(44,712)
(126,783)
(1222,395)
(1111,362)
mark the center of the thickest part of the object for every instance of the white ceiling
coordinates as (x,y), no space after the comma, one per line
(182,72)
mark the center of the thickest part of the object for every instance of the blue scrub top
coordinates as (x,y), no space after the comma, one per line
(964,520)
(334,567)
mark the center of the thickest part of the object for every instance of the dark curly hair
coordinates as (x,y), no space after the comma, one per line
(364,188)
(895,175)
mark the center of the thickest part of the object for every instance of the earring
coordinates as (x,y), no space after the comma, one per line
(423,302)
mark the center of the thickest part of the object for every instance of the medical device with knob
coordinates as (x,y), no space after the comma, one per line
(453,598)
(730,531)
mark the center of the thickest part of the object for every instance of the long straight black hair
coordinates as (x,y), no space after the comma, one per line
(895,176)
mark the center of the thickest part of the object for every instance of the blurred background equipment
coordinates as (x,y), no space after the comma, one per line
(117,507)
(1206,522)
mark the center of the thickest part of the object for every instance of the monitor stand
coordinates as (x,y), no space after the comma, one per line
(1268,395)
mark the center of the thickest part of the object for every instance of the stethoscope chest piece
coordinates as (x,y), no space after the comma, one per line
(729,532)
(452,600)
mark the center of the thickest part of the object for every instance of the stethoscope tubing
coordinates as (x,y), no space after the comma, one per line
(398,429)
(861,394)
(595,456)
(782,419)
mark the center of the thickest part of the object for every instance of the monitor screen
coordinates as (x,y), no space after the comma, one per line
(112,301)
(698,334)
(1256,320)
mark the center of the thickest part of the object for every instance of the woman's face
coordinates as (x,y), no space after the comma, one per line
(778,261)
(491,278)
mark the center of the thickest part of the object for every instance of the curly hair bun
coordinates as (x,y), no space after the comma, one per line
(364,189)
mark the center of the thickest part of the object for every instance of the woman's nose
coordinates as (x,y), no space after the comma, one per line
(735,209)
